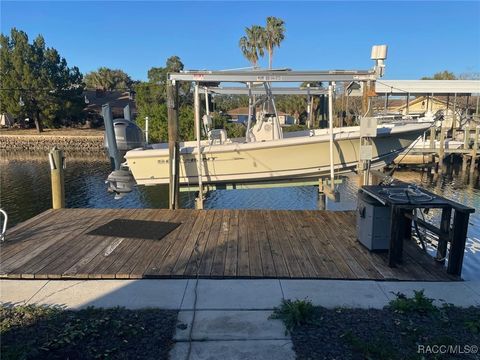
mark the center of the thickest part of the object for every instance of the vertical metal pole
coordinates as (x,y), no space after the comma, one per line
(56,173)
(309,109)
(207,108)
(250,112)
(454,118)
(386,104)
(146,130)
(330,124)
(408,104)
(110,135)
(173,146)
(199,199)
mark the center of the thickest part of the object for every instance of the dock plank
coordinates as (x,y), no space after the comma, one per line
(243,267)
(218,266)
(278,257)
(193,266)
(231,256)
(293,234)
(253,240)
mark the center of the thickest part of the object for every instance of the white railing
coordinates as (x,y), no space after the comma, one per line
(4,226)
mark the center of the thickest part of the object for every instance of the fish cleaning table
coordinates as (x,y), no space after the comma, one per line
(403,199)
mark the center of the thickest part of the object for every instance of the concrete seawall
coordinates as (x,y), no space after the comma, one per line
(44,143)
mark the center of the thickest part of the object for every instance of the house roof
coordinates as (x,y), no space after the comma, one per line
(116,99)
(244,111)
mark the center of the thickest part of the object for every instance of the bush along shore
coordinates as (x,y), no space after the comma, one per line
(44,143)
(40,332)
(409,328)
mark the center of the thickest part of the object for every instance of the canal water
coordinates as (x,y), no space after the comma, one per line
(25,192)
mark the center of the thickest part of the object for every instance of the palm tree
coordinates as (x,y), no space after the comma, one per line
(252,44)
(274,35)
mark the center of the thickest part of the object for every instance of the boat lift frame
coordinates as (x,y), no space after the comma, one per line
(209,81)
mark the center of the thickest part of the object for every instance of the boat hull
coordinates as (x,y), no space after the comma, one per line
(296,157)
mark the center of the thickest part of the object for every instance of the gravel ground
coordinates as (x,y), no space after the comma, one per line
(386,334)
(29,332)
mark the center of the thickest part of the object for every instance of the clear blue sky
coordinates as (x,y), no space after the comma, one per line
(423,37)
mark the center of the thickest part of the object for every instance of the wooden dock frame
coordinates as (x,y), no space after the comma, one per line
(173,145)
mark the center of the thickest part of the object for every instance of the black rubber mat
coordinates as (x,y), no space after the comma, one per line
(142,229)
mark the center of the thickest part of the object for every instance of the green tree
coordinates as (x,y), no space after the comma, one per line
(252,44)
(151,97)
(274,34)
(295,105)
(442,75)
(37,83)
(108,79)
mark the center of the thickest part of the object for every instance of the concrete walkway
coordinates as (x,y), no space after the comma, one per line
(231,318)
(227,294)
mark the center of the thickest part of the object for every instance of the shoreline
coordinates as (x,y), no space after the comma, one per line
(74,144)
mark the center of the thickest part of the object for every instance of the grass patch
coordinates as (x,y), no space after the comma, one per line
(419,303)
(294,313)
(39,332)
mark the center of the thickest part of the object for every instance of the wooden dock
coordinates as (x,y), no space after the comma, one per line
(220,243)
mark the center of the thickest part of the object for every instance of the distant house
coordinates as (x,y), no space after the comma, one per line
(117,100)
(421,105)
(240,115)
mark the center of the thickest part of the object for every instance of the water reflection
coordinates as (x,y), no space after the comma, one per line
(25,192)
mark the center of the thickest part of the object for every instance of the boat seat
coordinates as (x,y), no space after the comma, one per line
(217,136)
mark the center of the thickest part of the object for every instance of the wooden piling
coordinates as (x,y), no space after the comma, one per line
(433,135)
(57,176)
(173,146)
(474,151)
(441,150)
(444,234)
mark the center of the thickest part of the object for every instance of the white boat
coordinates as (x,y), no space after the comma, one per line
(296,155)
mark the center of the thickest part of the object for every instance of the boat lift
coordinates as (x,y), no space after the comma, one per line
(205,79)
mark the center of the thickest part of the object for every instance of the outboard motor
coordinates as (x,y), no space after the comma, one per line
(127,135)
(124,135)
(120,182)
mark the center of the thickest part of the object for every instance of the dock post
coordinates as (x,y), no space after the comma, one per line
(474,152)
(173,146)
(433,134)
(196,100)
(441,150)
(330,125)
(466,140)
(57,166)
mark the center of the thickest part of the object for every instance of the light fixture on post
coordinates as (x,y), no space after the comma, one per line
(379,54)
(86,100)
(20,102)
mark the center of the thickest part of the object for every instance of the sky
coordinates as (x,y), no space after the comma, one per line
(422,37)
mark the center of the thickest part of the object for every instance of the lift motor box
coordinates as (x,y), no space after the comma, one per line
(373,223)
